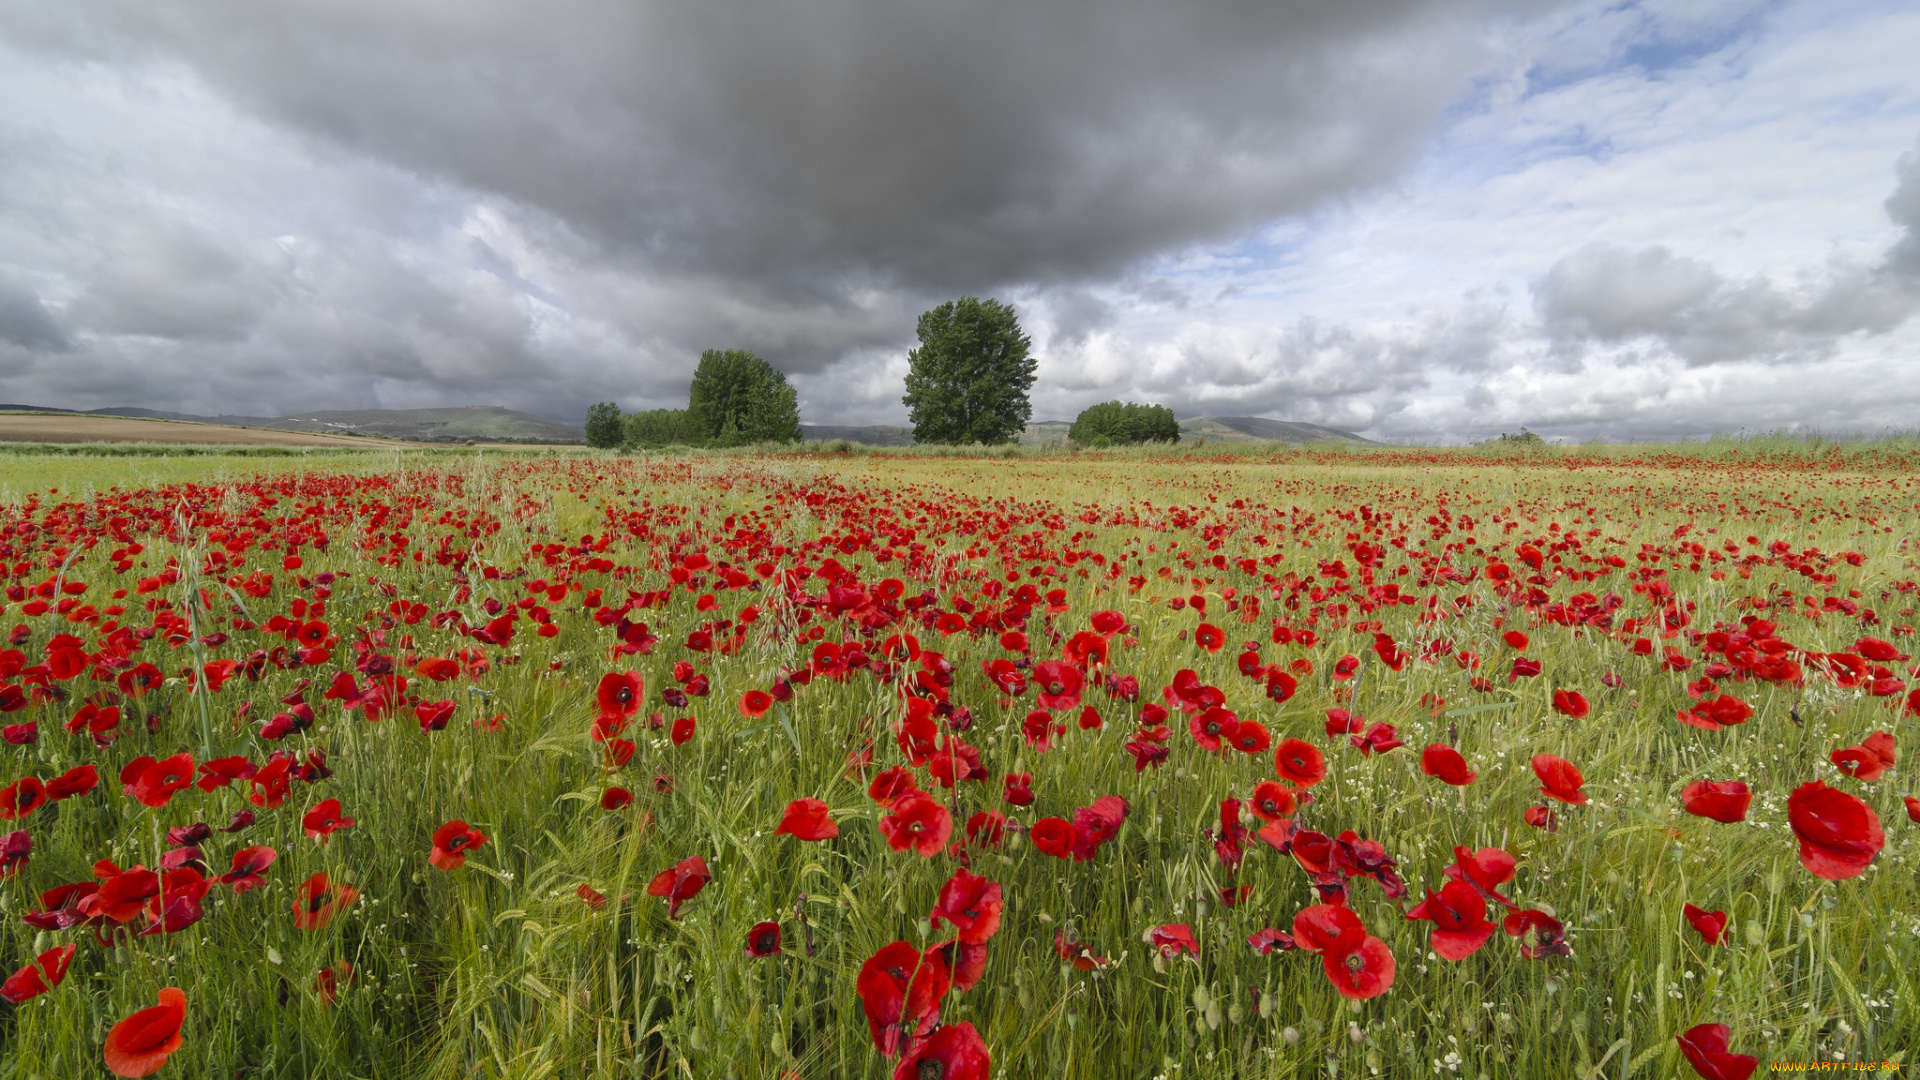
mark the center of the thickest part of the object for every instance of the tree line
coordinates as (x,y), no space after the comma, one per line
(967,382)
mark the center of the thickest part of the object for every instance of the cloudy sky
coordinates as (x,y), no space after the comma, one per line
(1415,219)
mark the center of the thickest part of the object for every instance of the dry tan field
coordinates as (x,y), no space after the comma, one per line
(64,428)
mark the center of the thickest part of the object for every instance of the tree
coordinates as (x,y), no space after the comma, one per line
(736,398)
(1116,423)
(657,427)
(604,429)
(968,380)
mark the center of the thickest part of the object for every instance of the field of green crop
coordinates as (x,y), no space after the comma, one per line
(836,765)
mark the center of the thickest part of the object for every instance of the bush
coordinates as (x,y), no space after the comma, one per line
(1116,423)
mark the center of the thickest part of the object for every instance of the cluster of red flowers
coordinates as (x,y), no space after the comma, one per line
(945,610)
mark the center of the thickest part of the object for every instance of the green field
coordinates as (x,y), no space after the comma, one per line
(478,600)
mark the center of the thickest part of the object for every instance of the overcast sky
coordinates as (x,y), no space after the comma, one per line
(1414,219)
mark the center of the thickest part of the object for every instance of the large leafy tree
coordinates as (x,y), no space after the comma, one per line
(604,428)
(968,380)
(1116,423)
(737,398)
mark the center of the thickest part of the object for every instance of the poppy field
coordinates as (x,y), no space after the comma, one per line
(1400,763)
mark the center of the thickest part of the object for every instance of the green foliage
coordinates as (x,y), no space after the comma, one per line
(1117,423)
(738,398)
(968,380)
(658,427)
(603,425)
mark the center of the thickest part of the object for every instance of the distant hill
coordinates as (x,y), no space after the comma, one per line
(1236,429)
(871,435)
(1260,429)
(480,422)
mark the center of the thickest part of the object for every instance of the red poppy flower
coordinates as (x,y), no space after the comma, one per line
(22,797)
(434,715)
(1523,668)
(1721,800)
(892,785)
(1571,703)
(1095,825)
(271,784)
(327,984)
(1486,870)
(123,894)
(15,849)
(324,819)
(1281,686)
(1913,808)
(1839,834)
(954,1052)
(45,973)
(1870,760)
(806,819)
(900,990)
(1712,714)
(249,868)
(621,692)
(1541,934)
(1209,637)
(136,681)
(1711,924)
(1077,953)
(1250,737)
(591,897)
(1446,764)
(78,780)
(1559,779)
(682,882)
(918,822)
(1542,817)
(220,772)
(1268,940)
(1705,1047)
(1366,972)
(1328,927)
(1459,916)
(682,730)
(1378,739)
(451,842)
(1059,684)
(1345,667)
(1515,640)
(1018,789)
(971,905)
(318,900)
(1344,722)
(141,1044)
(614,798)
(1172,940)
(1052,835)
(154,782)
(755,703)
(1039,729)
(763,940)
(1299,763)
(1272,801)
(1213,727)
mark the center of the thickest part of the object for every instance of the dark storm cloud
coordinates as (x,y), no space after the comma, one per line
(25,321)
(816,147)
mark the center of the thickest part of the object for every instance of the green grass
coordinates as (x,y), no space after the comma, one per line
(499,970)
